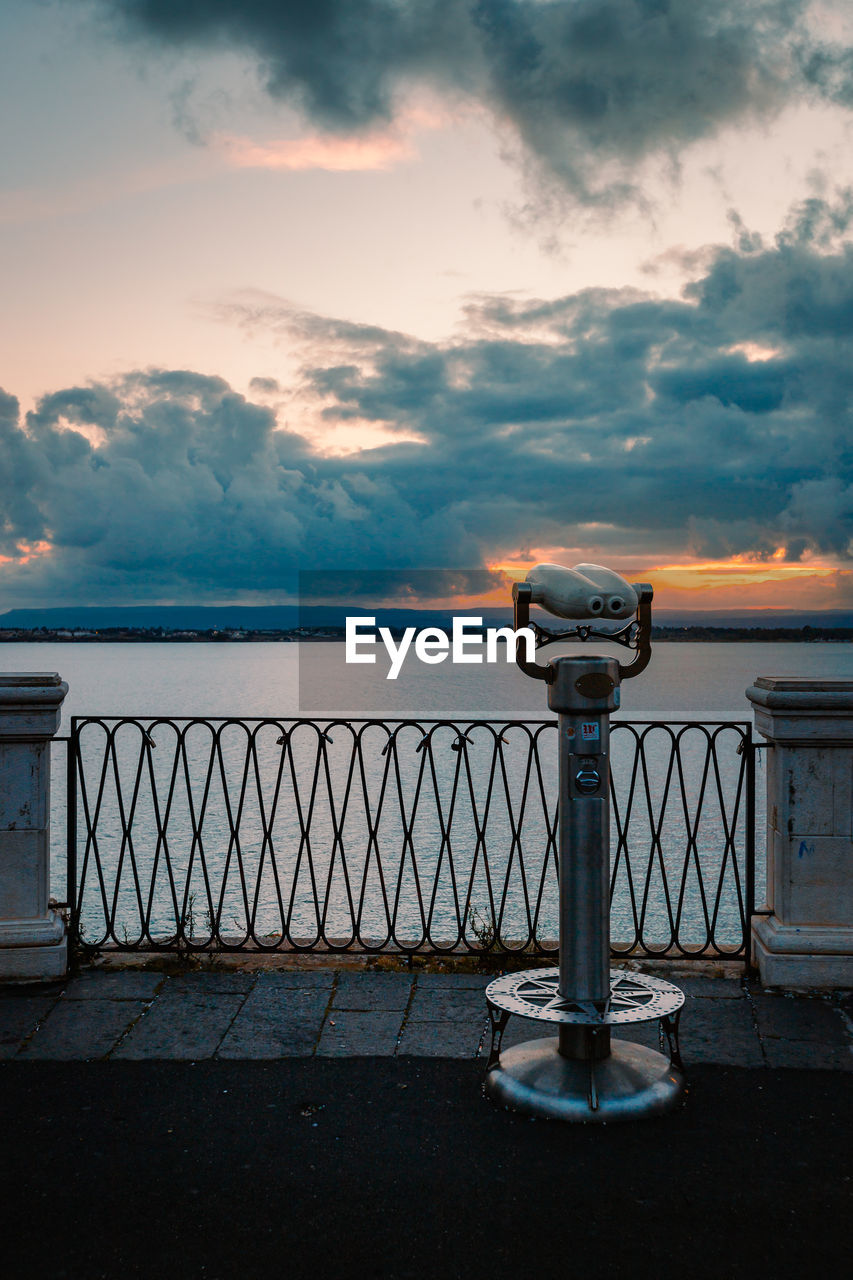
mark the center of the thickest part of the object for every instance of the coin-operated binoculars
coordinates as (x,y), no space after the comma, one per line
(581,1074)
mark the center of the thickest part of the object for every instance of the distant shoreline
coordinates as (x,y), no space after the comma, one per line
(162,635)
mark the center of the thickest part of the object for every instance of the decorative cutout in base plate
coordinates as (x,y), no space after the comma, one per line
(634,997)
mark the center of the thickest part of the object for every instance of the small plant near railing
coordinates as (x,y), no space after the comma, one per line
(83,951)
(489,959)
(210,926)
(483,930)
(186,932)
(490,953)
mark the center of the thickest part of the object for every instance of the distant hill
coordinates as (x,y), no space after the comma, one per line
(225,618)
(285,617)
(751,618)
(177,617)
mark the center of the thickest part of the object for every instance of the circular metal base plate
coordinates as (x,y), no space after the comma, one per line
(634,997)
(632,1082)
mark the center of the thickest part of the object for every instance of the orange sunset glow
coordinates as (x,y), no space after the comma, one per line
(699,586)
(736,583)
(27,551)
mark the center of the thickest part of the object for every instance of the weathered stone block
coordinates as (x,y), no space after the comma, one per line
(24,874)
(806,940)
(32,943)
(23,792)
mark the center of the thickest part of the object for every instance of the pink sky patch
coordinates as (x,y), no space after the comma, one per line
(376,151)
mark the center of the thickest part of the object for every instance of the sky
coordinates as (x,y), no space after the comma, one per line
(456,284)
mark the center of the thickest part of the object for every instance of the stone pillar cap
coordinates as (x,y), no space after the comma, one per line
(30,703)
(20,679)
(801,693)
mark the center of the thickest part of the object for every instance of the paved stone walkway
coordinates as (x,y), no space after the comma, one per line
(145,1014)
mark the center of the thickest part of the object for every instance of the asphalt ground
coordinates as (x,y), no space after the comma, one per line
(399,1167)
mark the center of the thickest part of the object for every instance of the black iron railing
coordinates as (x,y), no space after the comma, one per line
(408,837)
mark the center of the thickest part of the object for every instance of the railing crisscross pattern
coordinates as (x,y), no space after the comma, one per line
(396,836)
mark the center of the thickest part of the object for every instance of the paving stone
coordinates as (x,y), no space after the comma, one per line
(19,1017)
(441,1040)
(76,1030)
(212,982)
(443,1005)
(291,1001)
(296,980)
(27,990)
(800,1018)
(519,1030)
(293,1042)
(350,1035)
(709,988)
(125,984)
(269,1040)
(284,1013)
(181,1024)
(455,981)
(367,991)
(276,1024)
(644,1033)
(719,1031)
(806,1053)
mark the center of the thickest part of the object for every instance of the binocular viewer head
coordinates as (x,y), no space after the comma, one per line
(586,591)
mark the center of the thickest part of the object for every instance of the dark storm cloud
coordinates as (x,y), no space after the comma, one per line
(341,60)
(720,422)
(581,82)
(20,517)
(188,487)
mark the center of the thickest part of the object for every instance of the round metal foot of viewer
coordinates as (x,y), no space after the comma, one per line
(631,1082)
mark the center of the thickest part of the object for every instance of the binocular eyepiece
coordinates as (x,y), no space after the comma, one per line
(586,591)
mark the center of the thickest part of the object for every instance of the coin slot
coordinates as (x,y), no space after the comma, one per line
(587,780)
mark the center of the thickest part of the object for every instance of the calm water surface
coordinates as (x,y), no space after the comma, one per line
(683,681)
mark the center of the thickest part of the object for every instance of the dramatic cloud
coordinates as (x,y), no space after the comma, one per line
(583,84)
(718,423)
(170,482)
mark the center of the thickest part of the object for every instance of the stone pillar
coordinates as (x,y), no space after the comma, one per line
(807,940)
(32,935)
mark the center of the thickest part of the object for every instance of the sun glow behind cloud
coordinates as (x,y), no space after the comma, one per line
(377,149)
(701,587)
(28,551)
(736,583)
(754,352)
(353,437)
(741,584)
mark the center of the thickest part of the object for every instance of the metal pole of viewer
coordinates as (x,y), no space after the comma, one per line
(581,1074)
